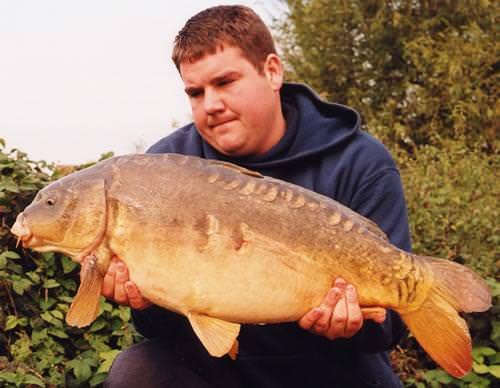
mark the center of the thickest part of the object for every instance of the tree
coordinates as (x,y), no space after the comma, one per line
(418,71)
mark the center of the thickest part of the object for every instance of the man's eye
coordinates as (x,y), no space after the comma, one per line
(225,82)
(194,93)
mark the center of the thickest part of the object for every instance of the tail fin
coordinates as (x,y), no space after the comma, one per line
(436,324)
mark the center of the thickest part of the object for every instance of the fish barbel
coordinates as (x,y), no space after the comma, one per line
(226,246)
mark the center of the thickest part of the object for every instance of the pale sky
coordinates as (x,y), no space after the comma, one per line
(82,77)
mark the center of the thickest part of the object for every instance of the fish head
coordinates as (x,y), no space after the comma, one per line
(67,216)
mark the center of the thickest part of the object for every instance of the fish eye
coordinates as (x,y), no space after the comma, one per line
(50,202)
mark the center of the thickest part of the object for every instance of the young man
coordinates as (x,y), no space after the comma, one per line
(245,114)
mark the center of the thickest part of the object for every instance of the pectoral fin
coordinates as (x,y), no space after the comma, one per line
(218,336)
(85,306)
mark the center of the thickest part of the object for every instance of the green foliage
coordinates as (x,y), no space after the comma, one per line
(452,195)
(37,348)
(418,71)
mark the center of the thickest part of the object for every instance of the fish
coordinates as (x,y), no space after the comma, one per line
(225,246)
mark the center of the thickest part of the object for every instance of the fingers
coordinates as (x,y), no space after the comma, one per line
(376,314)
(108,284)
(354,318)
(135,299)
(118,287)
(323,324)
(339,314)
(121,277)
(318,319)
(308,320)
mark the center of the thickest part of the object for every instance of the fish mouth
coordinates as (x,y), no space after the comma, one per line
(23,233)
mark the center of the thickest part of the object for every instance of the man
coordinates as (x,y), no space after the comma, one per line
(245,114)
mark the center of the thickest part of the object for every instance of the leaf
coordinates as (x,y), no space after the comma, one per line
(46,304)
(97,379)
(20,286)
(50,283)
(108,358)
(9,377)
(67,299)
(483,351)
(82,371)
(13,321)
(98,325)
(48,317)
(68,284)
(10,255)
(38,336)
(34,277)
(57,314)
(57,333)
(495,370)
(34,380)
(480,368)
(68,264)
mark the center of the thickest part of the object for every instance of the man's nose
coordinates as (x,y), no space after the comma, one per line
(213,102)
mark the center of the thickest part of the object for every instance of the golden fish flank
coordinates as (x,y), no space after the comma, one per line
(313,206)
(223,246)
(348,225)
(335,218)
(271,194)
(286,194)
(248,188)
(213,176)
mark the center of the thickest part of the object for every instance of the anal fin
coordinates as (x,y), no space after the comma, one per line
(85,305)
(218,336)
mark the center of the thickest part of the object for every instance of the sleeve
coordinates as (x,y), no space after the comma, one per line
(381,199)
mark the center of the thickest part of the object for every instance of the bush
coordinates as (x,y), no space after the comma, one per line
(36,347)
(452,194)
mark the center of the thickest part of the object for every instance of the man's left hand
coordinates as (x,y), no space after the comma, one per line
(339,314)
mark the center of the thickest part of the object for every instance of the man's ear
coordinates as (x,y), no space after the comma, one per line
(273,70)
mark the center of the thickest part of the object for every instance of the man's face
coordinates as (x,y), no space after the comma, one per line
(236,109)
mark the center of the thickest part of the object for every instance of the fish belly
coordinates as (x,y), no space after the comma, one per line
(255,284)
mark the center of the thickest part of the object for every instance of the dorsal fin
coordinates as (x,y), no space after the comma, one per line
(236,168)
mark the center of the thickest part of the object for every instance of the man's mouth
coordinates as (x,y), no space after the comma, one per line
(219,123)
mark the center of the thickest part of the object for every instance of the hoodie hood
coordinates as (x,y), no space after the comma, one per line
(313,127)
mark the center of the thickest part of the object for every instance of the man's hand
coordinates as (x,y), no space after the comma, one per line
(339,314)
(117,286)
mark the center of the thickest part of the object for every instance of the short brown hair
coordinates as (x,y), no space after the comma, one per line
(231,25)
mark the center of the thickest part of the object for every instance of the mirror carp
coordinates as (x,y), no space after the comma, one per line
(224,246)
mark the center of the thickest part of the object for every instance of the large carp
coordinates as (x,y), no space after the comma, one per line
(223,245)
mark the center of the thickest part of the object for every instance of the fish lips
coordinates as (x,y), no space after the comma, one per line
(23,233)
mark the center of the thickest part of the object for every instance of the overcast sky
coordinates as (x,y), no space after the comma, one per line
(82,77)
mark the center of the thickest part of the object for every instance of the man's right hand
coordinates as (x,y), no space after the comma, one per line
(118,287)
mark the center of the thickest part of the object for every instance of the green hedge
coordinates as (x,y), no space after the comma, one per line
(37,348)
(452,193)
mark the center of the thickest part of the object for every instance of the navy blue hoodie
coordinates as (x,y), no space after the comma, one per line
(324,150)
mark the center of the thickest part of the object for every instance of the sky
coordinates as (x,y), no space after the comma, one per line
(79,78)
